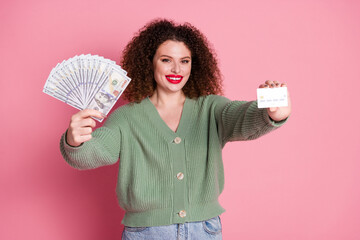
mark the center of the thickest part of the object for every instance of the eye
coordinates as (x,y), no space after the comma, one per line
(185,61)
(165,60)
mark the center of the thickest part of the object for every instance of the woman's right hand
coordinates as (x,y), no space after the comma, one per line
(81,126)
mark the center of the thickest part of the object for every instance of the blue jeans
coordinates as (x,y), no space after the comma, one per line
(209,229)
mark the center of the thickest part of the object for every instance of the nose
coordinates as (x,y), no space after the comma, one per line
(175,68)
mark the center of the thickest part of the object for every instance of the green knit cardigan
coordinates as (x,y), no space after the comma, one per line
(168,177)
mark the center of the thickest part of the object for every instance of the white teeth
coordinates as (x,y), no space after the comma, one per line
(176,79)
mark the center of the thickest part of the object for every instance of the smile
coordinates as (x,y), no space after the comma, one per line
(175,79)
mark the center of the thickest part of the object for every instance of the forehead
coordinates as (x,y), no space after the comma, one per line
(173,49)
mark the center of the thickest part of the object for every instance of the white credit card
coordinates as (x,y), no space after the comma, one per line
(272,97)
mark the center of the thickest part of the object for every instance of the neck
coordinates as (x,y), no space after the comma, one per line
(160,99)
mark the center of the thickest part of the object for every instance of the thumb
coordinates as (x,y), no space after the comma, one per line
(273,109)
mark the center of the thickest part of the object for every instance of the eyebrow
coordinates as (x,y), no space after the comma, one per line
(172,57)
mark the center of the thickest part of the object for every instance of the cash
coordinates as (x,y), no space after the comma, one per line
(87,82)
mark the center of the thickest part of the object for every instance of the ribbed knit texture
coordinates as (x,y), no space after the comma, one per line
(147,188)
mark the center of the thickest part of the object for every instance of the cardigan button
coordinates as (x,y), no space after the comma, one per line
(177,140)
(180,176)
(182,213)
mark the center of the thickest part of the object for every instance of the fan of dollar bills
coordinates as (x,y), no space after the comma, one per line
(87,82)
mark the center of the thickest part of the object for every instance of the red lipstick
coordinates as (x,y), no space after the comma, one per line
(174,79)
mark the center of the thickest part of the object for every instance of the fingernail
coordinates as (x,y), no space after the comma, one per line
(103,115)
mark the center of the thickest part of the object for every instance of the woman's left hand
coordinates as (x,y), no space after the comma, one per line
(277,113)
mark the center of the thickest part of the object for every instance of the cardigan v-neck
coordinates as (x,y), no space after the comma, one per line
(152,157)
(159,123)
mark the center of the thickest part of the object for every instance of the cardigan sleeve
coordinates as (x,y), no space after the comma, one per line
(241,120)
(103,148)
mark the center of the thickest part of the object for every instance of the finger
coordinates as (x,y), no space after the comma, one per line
(273,109)
(84,138)
(91,113)
(283,85)
(277,84)
(270,83)
(88,122)
(85,131)
(74,124)
(263,86)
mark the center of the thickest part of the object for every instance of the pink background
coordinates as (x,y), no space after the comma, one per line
(298,183)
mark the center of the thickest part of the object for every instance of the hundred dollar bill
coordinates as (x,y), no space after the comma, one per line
(110,91)
(87,81)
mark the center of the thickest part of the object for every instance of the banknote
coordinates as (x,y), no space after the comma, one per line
(87,82)
(112,88)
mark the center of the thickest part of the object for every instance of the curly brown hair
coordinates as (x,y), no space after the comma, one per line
(205,77)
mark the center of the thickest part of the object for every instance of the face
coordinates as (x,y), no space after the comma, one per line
(103,98)
(172,66)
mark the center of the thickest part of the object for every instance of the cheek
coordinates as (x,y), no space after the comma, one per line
(158,70)
(157,74)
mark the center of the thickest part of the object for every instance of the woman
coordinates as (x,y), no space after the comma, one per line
(169,139)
